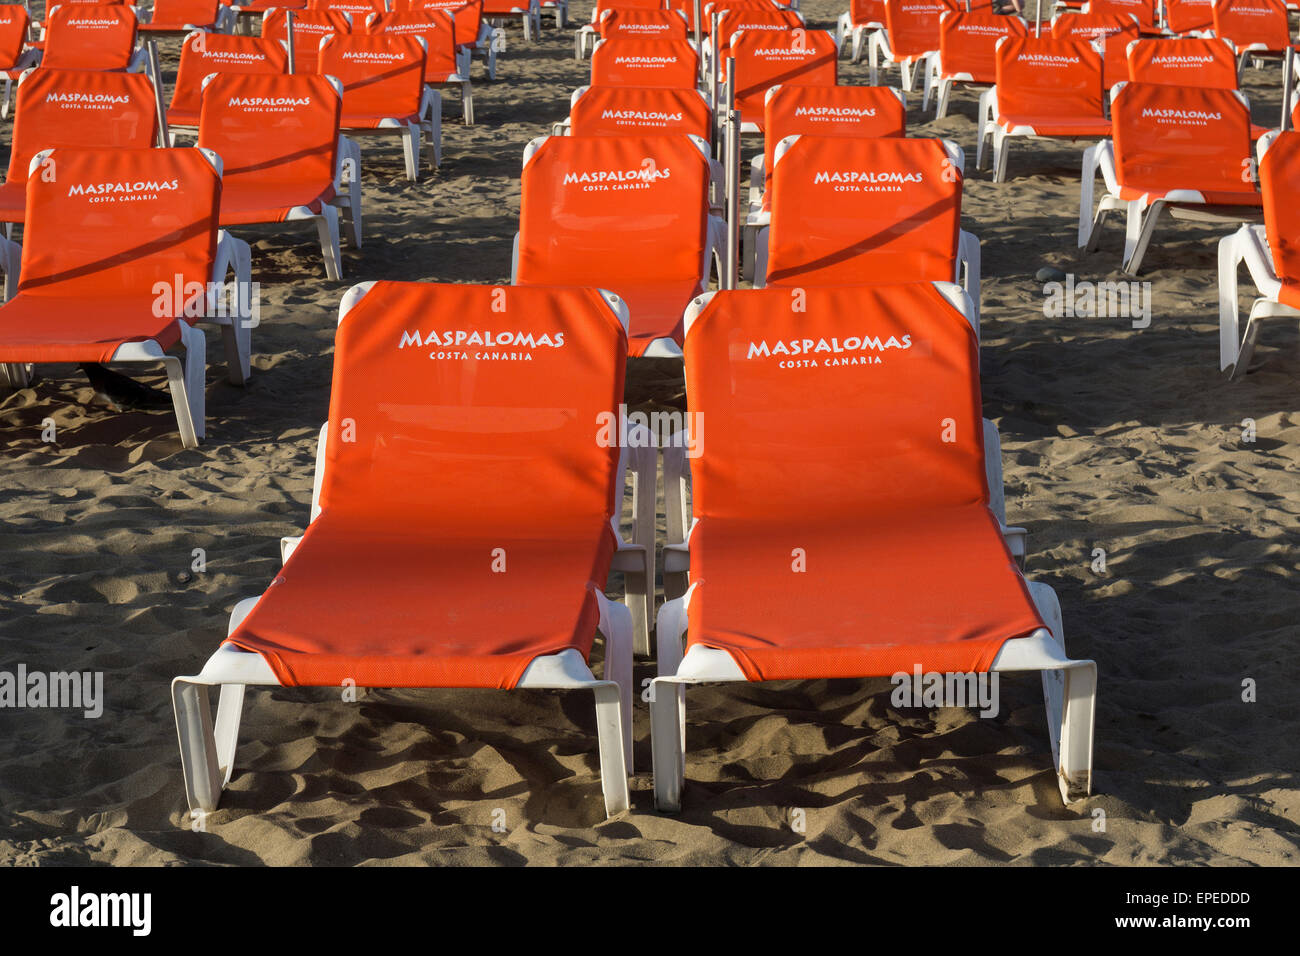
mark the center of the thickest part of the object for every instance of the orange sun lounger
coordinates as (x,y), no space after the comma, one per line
(629,19)
(15,55)
(670,63)
(624,213)
(92,36)
(768,58)
(203,54)
(863,18)
(1184,17)
(1184,149)
(1113,31)
(1255,27)
(184,16)
(121,256)
(910,37)
(310,27)
(443,67)
(898,563)
(418,569)
(967,53)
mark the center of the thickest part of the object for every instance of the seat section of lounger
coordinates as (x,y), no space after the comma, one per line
(967,53)
(1145,12)
(904,563)
(16,55)
(1184,149)
(754,18)
(185,16)
(849,211)
(857,23)
(910,38)
(121,256)
(310,27)
(852,111)
(442,66)
(284,160)
(625,213)
(92,36)
(1271,253)
(203,54)
(74,109)
(623,62)
(767,58)
(585,37)
(1113,31)
(1184,17)
(384,92)
(1045,87)
(463,525)
(528,12)
(1256,28)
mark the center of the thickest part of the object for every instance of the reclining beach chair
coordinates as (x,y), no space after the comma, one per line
(1046,87)
(906,568)
(1183,61)
(15,55)
(1257,28)
(528,12)
(628,212)
(1184,17)
(766,58)
(397,582)
(863,18)
(867,211)
(670,63)
(203,54)
(284,160)
(173,17)
(1184,149)
(442,66)
(769,18)
(384,91)
(92,36)
(1112,32)
(910,38)
(638,111)
(473,33)
(1271,253)
(967,53)
(121,256)
(852,111)
(357,10)
(74,109)
(585,37)
(310,27)
(1145,12)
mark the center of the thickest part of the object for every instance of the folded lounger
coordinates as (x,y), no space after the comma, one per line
(121,256)
(904,567)
(464,519)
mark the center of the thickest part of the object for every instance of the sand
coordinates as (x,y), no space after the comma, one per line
(1116,438)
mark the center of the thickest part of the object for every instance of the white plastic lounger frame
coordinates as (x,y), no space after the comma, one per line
(941,85)
(1143,212)
(1249,244)
(208,747)
(713,248)
(28,58)
(910,67)
(530,18)
(845,27)
(1069,686)
(966,270)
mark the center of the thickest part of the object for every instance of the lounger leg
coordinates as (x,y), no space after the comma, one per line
(984,127)
(194,730)
(945,92)
(1229,314)
(1247,348)
(1138,234)
(434,119)
(1070,696)
(411,149)
(667,730)
(185,378)
(352,218)
(873,60)
(968,246)
(609,732)
(618,668)
(230,707)
(1000,150)
(467,102)
(327,227)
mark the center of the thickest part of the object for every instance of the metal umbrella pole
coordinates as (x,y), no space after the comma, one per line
(1288,84)
(732,154)
(288,30)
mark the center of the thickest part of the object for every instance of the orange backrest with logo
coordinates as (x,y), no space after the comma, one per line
(766,58)
(968,43)
(14,22)
(203,54)
(177,14)
(1115,31)
(603,7)
(863,12)
(1250,22)
(1049,77)
(849,211)
(1184,16)
(89,37)
(80,108)
(271,129)
(1144,11)
(382,75)
(913,25)
(437,29)
(623,213)
(358,10)
(1279,176)
(309,28)
(622,62)
(752,18)
(1180,137)
(640,111)
(468,16)
(115,221)
(1183,61)
(621,23)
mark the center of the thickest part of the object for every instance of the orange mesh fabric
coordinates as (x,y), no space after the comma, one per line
(902,561)
(382,76)
(968,43)
(1184,16)
(468,17)
(1052,85)
(1183,61)
(89,36)
(1253,22)
(309,28)
(671,63)
(624,24)
(13,34)
(913,25)
(104,227)
(767,58)
(1115,31)
(435,27)
(640,111)
(206,53)
(463,420)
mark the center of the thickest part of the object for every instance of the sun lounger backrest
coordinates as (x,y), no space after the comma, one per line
(672,63)
(1115,31)
(968,42)
(863,12)
(437,29)
(1250,22)
(640,111)
(309,28)
(357,9)
(468,16)
(913,25)
(847,211)
(1279,180)
(1181,137)
(106,221)
(382,75)
(1049,76)
(1183,61)
(621,23)
(80,108)
(1184,16)
(834,404)
(181,12)
(753,18)
(1144,11)
(465,407)
(14,22)
(765,58)
(280,127)
(203,54)
(89,37)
